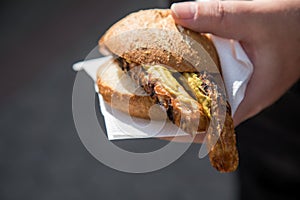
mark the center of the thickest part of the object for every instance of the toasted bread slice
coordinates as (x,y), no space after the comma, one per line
(120,91)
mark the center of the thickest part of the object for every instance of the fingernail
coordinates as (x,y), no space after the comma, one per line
(185,10)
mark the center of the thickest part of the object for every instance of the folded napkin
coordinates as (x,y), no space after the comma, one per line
(236,68)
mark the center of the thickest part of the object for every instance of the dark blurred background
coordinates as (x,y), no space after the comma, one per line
(41,155)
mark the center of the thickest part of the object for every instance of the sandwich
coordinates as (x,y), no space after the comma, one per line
(157,59)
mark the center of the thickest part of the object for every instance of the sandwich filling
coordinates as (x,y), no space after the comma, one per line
(190,100)
(200,89)
(185,96)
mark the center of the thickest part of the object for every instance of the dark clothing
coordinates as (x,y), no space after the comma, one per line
(269,147)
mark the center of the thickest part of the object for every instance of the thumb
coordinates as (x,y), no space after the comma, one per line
(228,19)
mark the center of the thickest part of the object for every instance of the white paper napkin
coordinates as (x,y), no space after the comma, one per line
(236,68)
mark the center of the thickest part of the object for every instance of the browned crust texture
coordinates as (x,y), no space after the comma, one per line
(167,47)
(224,155)
(127,103)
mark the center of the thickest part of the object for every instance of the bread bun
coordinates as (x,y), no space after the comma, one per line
(119,90)
(152,37)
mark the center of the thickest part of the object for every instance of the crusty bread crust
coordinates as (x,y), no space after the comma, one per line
(224,155)
(138,106)
(136,39)
(119,97)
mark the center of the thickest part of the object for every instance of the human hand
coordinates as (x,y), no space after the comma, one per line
(269,32)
